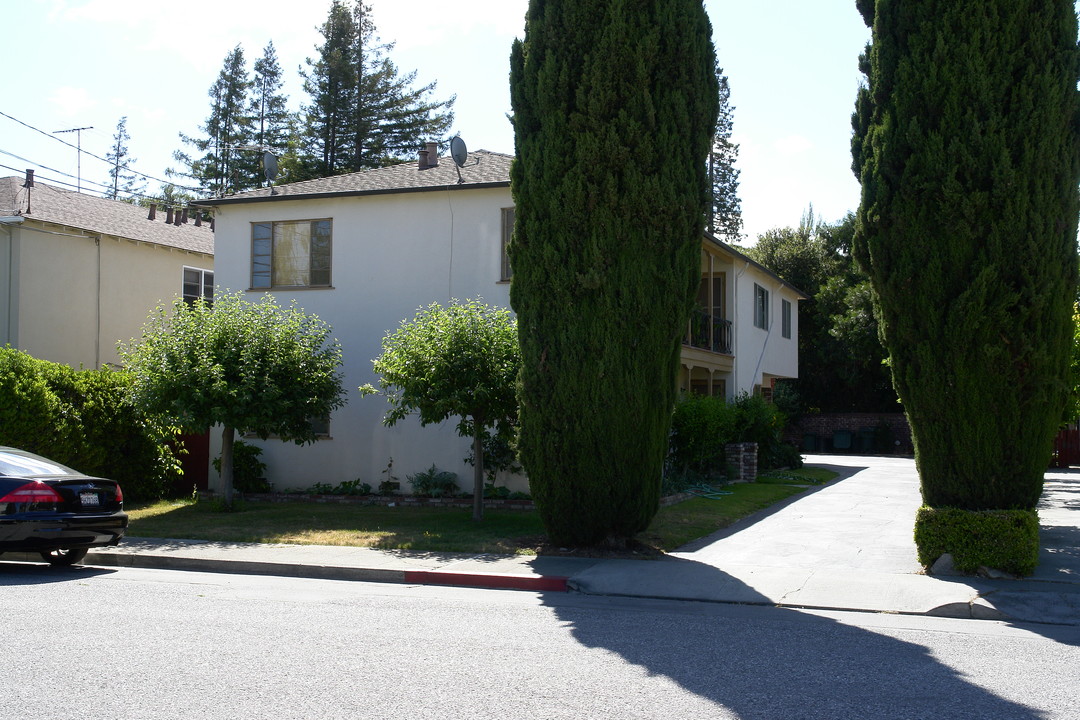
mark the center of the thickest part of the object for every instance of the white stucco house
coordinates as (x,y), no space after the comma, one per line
(364,251)
(79,274)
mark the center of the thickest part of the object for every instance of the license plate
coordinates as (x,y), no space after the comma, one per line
(89,499)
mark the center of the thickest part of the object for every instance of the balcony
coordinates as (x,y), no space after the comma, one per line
(709,332)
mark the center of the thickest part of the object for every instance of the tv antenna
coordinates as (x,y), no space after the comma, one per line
(460,153)
(78,150)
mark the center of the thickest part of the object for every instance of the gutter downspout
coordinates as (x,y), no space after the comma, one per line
(97,320)
(9,320)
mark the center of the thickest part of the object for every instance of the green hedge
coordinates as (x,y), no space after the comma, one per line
(82,418)
(1005,540)
(702,425)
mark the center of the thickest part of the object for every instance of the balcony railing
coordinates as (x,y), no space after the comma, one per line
(709,332)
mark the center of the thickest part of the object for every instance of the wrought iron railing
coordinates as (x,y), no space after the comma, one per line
(709,333)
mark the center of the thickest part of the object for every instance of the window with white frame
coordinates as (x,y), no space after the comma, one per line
(761,307)
(291,254)
(198,285)
(785,318)
(507,233)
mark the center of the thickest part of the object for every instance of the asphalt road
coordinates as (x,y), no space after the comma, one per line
(93,643)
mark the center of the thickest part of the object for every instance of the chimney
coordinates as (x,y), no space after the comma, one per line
(423,164)
(198,219)
(176,217)
(212,224)
(168,215)
(29,178)
(152,215)
(184,219)
(433,154)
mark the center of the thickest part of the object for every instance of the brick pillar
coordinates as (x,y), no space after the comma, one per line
(743,458)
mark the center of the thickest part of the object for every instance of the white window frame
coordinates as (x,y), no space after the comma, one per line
(761,307)
(205,283)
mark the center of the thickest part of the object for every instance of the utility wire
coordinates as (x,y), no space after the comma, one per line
(96,157)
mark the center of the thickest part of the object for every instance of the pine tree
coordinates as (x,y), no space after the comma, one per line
(268,108)
(615,104)
(967,147)
(221,168)
(725,218)
(124,180)
(364,113)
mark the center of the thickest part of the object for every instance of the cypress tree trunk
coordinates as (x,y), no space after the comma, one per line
(966,145)
(614,106)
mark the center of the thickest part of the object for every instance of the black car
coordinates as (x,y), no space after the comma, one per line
(55,511)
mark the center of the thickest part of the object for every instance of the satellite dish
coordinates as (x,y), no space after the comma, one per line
(270,166)
(458,151)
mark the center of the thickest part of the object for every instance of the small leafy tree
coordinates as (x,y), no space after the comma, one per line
(257,367)
(460,361)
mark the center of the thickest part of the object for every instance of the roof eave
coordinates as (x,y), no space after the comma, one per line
(214,202)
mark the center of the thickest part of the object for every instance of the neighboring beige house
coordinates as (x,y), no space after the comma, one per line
(79,273)
(364,251)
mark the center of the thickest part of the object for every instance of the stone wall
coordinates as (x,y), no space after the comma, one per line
(742,457)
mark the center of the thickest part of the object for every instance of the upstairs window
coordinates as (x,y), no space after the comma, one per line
(291,254)
(785,318)
(198,284)
(761,307)
(507,233)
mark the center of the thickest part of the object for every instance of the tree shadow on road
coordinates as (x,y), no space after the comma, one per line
(772,663)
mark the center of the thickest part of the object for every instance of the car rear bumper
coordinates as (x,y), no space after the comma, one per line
(61,531)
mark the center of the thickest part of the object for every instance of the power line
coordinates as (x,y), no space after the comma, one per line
(96,157)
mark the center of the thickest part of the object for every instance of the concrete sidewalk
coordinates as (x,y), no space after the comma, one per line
(845,546)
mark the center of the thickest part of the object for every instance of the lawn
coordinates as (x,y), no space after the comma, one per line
(434,529)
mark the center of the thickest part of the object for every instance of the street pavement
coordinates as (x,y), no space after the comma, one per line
(846,545)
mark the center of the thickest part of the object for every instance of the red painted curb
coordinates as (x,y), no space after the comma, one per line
(539,583)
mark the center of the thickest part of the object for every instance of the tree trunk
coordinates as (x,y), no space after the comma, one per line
(478,472)
(227,436)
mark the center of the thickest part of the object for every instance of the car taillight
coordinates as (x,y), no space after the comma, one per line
(119,494)
(32,492)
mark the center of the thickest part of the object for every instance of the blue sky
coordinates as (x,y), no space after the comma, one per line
(792,65)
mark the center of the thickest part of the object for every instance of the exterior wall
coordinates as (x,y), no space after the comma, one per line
(871,433)
(72,299)
(391,254)
(762,354)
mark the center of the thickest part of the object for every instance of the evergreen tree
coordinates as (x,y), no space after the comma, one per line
(967,147)
(271,119)
(364,113)
(725,218)
(227,139)
(124,180)
(615,104)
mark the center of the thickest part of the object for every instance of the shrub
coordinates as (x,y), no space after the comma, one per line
(85,419)
(700,428)
(249,472)
(1005,540)
(434,482)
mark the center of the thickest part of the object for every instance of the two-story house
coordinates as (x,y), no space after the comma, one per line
(364,251)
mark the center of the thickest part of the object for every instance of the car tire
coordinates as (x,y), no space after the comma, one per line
(63,557)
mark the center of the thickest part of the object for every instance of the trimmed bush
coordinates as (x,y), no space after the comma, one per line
(1005,540)
(84,419)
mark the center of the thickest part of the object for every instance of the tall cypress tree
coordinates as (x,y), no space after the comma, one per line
(271,120)
(615,103)
(967,147)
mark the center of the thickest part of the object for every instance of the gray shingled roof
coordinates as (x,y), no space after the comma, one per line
(482,169)
(100,216)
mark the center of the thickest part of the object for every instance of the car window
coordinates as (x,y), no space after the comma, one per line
(22,464)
